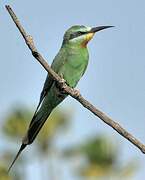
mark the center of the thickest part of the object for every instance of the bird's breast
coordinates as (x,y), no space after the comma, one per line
(75,67)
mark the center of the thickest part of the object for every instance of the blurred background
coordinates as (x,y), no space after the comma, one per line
(74,144)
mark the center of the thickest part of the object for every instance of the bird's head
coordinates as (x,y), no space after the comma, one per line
(81,35)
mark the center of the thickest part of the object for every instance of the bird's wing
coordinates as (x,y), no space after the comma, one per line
(57,63)
(47,85)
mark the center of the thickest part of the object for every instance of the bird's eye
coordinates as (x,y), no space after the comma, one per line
(76,34)
(79,33)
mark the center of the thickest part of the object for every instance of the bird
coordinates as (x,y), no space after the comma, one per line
(70,64)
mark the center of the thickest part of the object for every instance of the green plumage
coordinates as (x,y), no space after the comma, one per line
(70,63)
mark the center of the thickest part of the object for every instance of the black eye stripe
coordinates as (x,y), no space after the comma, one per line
(76,34)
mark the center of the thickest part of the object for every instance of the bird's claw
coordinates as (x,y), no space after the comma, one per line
(61,85)
(62,82)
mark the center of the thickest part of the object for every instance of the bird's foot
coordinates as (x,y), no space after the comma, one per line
(62,83)
(61,86)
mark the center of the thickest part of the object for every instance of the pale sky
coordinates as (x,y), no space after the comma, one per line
(115,77)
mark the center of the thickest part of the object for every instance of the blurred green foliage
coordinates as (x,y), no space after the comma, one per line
(3,172)
(99,154)
(16,123)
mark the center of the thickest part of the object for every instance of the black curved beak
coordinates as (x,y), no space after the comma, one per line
(99,28)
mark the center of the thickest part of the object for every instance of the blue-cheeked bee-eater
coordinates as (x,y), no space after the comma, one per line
(70,63)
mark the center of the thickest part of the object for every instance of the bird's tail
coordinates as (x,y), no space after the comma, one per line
(35,126)
(16,157)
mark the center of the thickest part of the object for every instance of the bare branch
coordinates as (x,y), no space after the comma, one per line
(72,92)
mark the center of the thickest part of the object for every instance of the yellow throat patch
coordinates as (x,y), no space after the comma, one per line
(88,37)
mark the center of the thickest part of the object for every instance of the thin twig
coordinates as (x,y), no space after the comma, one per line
(72,92)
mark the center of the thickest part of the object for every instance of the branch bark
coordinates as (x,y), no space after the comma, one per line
(72,92)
